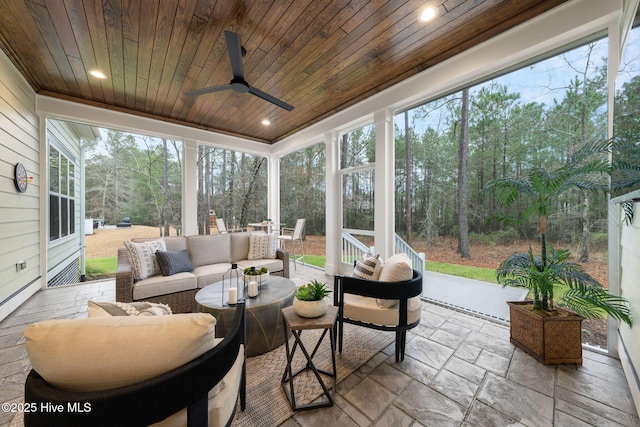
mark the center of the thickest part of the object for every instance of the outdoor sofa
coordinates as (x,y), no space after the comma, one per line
(189,263)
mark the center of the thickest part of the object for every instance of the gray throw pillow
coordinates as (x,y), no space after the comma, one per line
(173,262)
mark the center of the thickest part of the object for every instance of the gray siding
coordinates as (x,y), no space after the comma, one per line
(19,212)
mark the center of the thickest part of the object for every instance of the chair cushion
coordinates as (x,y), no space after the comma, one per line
(367,310)
(222,400)
(172,262)
(142,256)
(102,353)
(142,308)
(397,269)
(368,267)
(262,246)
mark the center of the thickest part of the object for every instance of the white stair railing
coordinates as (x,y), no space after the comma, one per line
(417,259)
(352,249)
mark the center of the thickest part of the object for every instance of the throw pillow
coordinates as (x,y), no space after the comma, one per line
(368,267)
(142,308)
(173,262)
(101,353)
(143,257)
(397,269)
(262,246)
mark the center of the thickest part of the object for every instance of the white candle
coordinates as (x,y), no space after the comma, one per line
(253,289)
(233,295)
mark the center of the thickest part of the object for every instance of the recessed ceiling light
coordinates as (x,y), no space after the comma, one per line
(98,74)
(427,14)
(266,122)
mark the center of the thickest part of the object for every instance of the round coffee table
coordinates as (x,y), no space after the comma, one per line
(264,319)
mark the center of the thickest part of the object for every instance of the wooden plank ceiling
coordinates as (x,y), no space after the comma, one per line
(320,56)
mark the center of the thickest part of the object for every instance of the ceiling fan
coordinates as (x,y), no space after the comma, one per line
(238,83)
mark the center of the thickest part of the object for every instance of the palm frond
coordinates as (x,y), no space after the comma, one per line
(595,302)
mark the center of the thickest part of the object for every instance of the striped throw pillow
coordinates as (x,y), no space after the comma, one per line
(368,267)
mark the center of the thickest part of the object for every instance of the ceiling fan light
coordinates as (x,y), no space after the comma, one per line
(98,74)
(427,14)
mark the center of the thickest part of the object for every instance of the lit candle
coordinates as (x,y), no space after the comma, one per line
(253,289)
(233,295)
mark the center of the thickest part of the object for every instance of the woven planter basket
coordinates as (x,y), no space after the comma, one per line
(550,340)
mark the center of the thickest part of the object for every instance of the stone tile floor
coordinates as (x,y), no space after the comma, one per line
(459,370)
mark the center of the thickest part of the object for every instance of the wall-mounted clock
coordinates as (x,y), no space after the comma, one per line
(20,178)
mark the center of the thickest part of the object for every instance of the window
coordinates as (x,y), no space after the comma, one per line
(232,186)
(62,195)
(357,162)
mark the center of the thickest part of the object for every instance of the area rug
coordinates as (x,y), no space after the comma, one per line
(267,404)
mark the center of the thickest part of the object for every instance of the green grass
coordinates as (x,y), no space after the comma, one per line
(97,268)
(477,273)
(317,260)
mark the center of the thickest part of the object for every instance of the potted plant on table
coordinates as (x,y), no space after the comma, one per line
(548,332)
(311,299)
(259,275)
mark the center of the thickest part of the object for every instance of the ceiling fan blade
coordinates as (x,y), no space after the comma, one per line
(211,89)
(235,54)
(271,99)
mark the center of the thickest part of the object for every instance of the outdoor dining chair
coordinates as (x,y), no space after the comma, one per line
(292,235)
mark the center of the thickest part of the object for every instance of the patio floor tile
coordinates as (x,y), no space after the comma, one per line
(459,370)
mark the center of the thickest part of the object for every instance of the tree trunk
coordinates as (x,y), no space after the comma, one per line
(463,155)
(584,256)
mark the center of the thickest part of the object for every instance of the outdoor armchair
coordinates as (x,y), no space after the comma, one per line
(366,303)
(189,387)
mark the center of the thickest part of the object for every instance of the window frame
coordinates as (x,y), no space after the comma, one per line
(60,197)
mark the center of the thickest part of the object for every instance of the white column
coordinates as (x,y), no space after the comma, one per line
(189,187)
(332,207)
(273,186)
(384,218)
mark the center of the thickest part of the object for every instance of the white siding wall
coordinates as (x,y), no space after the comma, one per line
(629,273)
(67,249)
(19,212)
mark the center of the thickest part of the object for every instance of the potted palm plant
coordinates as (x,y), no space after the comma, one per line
(543,327)
(311,299)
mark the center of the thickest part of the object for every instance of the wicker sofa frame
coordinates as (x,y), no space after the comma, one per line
(148,401)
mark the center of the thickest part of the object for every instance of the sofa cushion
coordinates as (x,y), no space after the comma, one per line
(271,264)
(239,246)
(209,249)
(143,257)
(262,246)
(102,353)
(163,285)
(367,310)
(208,274)
(172,262)
(141,308)
(368,267)
(173,243)
(397,269)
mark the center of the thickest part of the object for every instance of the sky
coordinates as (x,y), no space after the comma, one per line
(548,80)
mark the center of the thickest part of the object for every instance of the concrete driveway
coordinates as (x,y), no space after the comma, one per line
(481,298)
